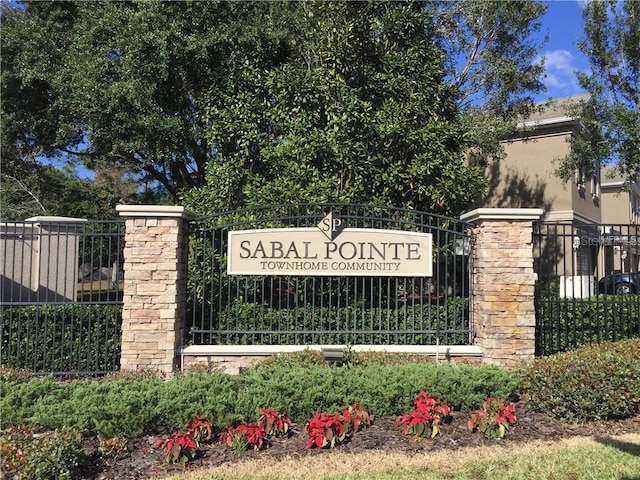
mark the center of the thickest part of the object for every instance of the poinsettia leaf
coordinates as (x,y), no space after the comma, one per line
(472,422)
(175,450)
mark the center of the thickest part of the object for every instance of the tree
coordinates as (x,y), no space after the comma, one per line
(359,112)
(168,90)
(612,112)
(46,190)
(115,82)
(492,49)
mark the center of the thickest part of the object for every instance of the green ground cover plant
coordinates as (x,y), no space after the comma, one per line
(128,408)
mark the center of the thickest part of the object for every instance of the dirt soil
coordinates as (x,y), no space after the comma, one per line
(144,461)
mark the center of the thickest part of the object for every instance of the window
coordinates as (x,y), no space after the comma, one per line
(635,208)
(595,183)
(582,178)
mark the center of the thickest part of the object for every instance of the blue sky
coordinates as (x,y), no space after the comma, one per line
(564,25)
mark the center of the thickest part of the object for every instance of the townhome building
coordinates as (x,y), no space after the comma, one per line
(621,221)
(588,229)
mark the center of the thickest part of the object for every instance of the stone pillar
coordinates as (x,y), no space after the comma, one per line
(154,297)
(503,283)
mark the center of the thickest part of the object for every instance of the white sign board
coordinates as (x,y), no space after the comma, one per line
(330,251)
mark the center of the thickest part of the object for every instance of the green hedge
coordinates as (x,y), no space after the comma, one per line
(61,338)
(566,323)
(131,408)
(246,323)
(594,382)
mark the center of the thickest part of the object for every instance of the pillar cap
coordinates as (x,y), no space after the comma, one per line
(154,211)
(504,214)
(49,219)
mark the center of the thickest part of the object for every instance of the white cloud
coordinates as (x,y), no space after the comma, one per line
(560,78)
(559,61)
(582,3)
(551,81)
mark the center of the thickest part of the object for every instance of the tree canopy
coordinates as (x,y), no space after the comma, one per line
(612,112)
(47,190)
(232,103)
(492,58)
(358,111)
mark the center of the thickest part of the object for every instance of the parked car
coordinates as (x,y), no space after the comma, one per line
(620,283)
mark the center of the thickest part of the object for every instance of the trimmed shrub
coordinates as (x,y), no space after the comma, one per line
(567,323)
(30,455)
(302,358)
(366,358)
(130,408)
(596,382)
(62,338)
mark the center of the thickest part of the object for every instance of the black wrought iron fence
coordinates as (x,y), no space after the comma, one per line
(334,309)
(61,299)
(588,284)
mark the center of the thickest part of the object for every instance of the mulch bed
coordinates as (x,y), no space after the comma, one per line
(145,461)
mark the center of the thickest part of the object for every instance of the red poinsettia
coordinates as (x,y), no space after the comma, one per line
(178,447)
(426,418)
(494,419)
(273,422)
(243,435)
(325,430)
(356,416)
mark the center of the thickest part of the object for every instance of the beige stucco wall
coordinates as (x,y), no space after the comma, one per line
(585,203)
(39,259)
(19,253)
(59,247)
(526,178)
(616,207)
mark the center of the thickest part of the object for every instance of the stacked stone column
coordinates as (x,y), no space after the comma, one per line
(154,297)
(503,284)
(155,272)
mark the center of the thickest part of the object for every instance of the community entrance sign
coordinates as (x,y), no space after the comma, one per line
(330,249)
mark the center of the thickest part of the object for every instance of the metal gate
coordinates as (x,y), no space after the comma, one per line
(226,309)
(588,284)
(61,295)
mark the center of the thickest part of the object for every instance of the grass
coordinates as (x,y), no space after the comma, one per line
(578,458)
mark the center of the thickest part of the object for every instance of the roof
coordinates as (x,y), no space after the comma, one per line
(555,111)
